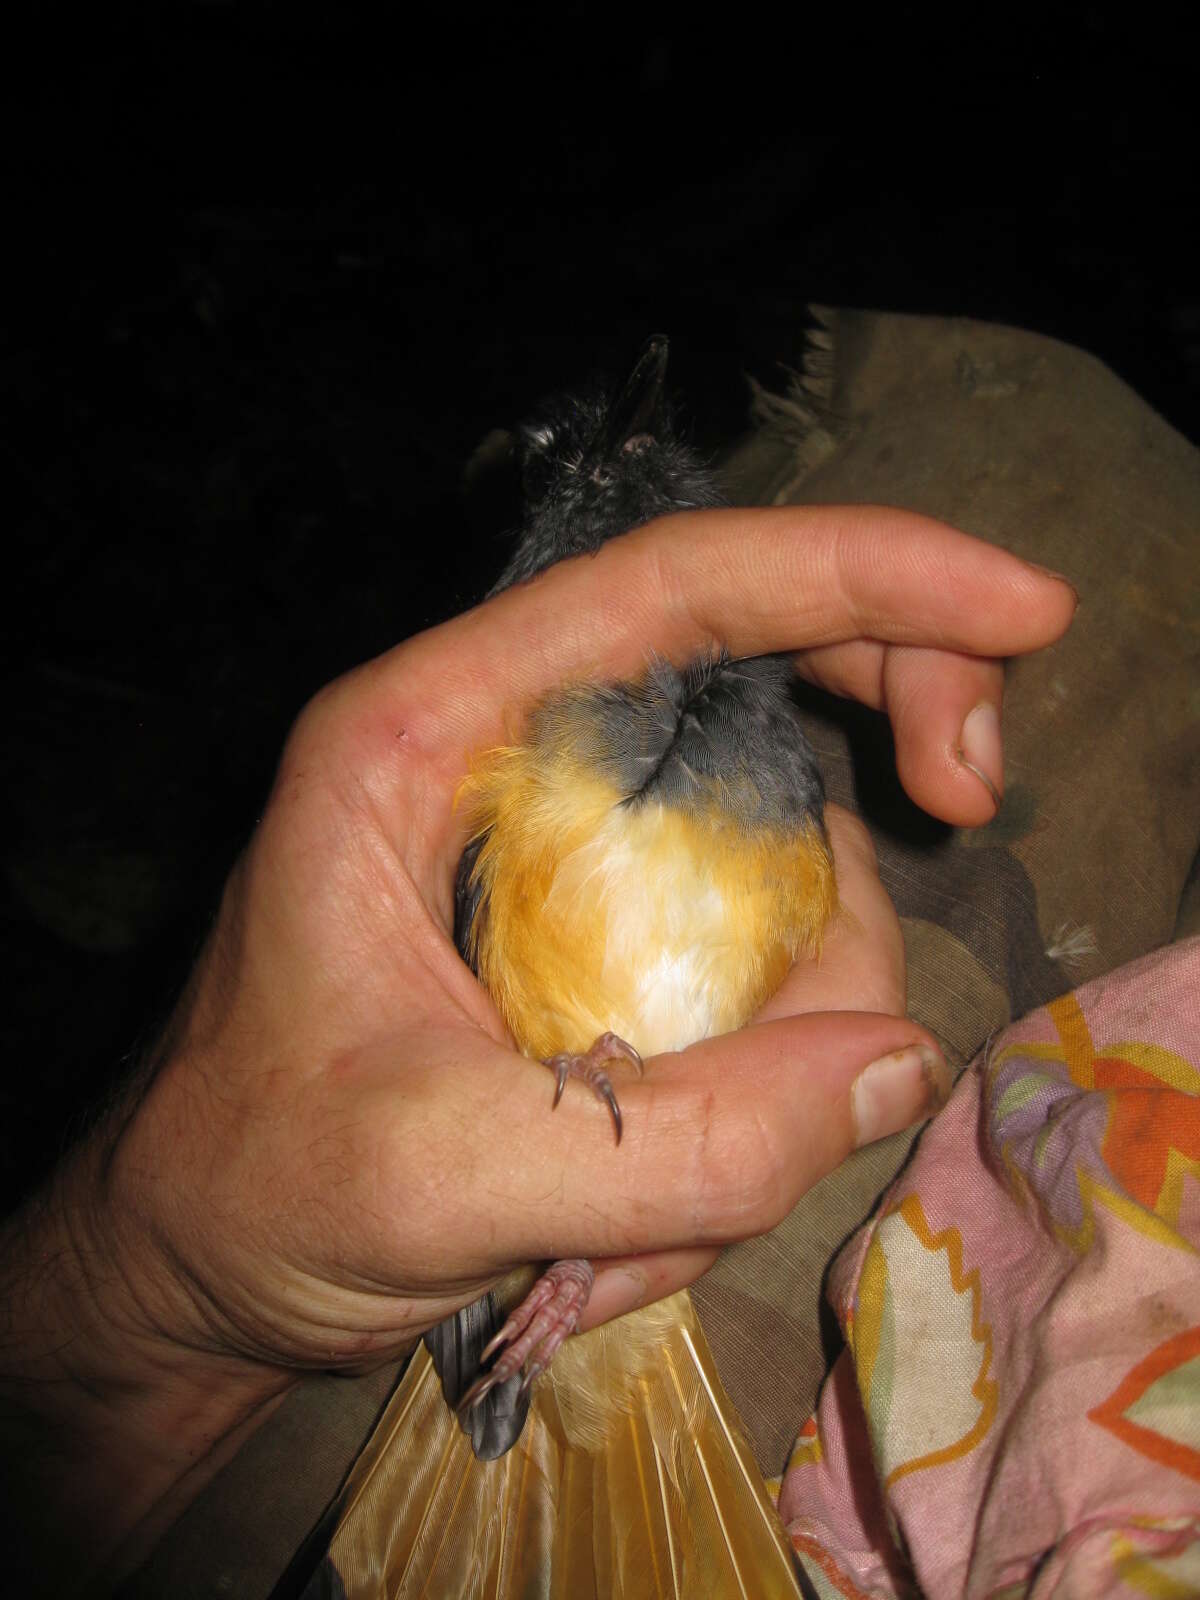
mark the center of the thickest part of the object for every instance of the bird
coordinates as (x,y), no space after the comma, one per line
(645,863)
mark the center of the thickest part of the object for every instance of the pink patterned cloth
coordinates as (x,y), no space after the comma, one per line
(1017,1411)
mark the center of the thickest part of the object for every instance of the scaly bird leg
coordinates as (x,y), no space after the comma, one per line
(547,1315)
(551,1310)
(590,1067)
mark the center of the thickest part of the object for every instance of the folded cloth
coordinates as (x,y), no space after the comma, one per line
(1017,1408)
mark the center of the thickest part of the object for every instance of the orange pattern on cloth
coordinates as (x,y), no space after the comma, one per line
(1177,1361)
(1148,1131)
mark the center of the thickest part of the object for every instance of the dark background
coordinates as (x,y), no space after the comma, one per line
(275,272)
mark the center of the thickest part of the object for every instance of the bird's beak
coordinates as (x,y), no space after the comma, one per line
(638,408)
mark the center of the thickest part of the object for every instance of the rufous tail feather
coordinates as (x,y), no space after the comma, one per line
(631,1479)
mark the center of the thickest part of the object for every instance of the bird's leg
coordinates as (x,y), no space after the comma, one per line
(590,1068)
(551,1310)
(547,1315)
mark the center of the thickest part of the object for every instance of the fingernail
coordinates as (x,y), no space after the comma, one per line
(981,749)
(1059,577)
(616,1291)
(896,1091)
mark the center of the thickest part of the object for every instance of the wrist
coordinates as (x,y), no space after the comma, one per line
(111,1419)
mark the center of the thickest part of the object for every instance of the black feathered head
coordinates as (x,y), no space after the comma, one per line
(597,462)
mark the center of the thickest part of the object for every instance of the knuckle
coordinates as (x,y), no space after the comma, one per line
(742,1188)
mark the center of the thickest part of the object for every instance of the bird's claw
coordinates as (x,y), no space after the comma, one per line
(548,1314)
(590,1068)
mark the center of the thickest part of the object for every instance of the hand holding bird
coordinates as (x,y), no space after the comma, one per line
(340,1145)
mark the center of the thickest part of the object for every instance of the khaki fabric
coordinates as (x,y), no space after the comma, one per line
(1037,447)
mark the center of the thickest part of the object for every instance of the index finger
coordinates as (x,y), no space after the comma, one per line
(750,581)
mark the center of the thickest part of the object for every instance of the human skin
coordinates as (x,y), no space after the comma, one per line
(335,1144)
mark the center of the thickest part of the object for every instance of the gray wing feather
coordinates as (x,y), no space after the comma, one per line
(456,1345)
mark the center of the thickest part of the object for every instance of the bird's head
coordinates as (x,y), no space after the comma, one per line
(597,462)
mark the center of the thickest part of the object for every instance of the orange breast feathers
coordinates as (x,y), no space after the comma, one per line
(663,921)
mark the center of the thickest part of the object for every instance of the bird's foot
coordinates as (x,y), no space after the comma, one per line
(547,1315)
(590,1067)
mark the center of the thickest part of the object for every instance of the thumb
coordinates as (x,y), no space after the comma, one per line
(840,1107)
(722,1139)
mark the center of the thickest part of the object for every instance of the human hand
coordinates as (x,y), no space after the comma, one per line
(340,1146)
(363,1151)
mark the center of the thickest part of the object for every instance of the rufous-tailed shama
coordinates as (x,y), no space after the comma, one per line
(645,864)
